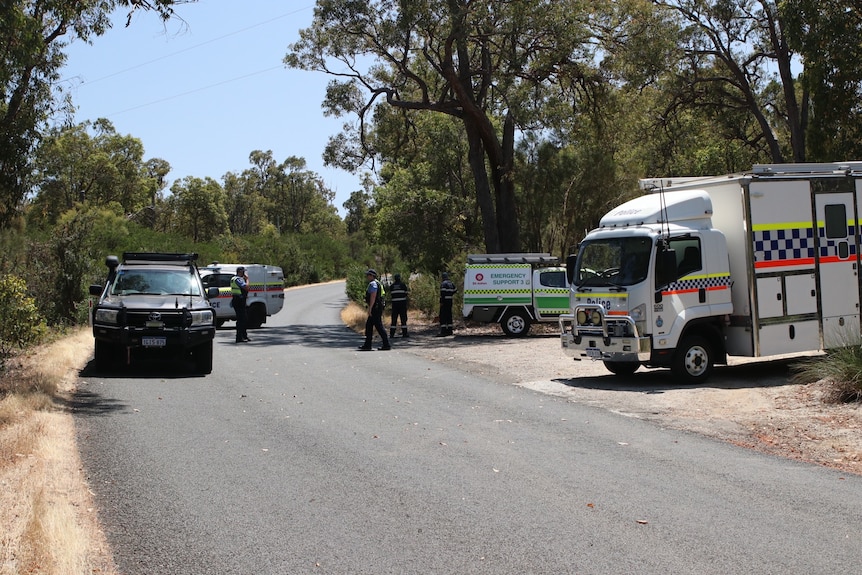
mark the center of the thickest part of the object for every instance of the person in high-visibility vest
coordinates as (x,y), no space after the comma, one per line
(374,299)
(239,295)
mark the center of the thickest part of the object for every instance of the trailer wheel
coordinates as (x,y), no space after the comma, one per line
(692,362)
(622,367)
(515,323)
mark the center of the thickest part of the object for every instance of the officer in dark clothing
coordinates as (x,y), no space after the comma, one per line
(239,295)
(398,296)
(447,294)
(375,313)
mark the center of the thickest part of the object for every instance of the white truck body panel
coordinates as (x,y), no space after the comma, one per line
(780,257)
(265,290)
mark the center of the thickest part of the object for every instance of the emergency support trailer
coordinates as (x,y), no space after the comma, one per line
(514,290)
(754,264)
(265,291)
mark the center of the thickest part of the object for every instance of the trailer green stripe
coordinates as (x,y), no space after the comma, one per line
(552,302)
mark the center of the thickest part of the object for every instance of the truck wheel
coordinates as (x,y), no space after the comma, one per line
(256,316)
(515,324)
(622,367)
(692,362)
(203,356)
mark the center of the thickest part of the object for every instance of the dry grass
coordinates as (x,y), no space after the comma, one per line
(354,316)
(49,523)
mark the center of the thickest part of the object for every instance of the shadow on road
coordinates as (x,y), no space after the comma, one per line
(756,374)
(326,336)
(93,404)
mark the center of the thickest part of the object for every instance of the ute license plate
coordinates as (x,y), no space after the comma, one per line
(594,353)
(154,341)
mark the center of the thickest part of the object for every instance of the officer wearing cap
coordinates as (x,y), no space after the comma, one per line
(239,295)
(375,313)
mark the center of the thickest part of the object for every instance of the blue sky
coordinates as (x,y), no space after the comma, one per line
(204,94)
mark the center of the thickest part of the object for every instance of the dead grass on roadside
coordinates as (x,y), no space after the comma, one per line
(49,522)
(354,315)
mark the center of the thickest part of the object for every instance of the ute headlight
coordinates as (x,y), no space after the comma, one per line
(596,317)
(638,313)
(582,317)
(107,316)
(203,317)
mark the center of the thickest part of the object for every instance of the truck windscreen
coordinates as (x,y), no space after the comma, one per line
(614,261)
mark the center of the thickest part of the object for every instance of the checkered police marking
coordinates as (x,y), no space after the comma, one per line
(696,283)
(795,246)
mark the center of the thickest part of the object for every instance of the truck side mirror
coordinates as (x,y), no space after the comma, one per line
(665,267)
(96,290)
(212,292)
(570,267)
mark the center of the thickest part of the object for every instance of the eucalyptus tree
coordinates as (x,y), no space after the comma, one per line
(740,55)
(488,64)
(90,163)
(293,198)
(199,208)
(35,33)
(825,34)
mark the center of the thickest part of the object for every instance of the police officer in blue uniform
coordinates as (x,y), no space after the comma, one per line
(398,292)
(239,295)
(375,313)
(447,294)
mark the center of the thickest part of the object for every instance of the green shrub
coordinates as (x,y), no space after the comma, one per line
(20,322)
(841,367)
(356,284)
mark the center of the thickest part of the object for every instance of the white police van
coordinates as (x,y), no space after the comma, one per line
(265,291)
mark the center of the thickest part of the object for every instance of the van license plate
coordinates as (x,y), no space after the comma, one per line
(594,353)
(154,341)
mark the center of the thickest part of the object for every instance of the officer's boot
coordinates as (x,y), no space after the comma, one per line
(391,332)
(404,332)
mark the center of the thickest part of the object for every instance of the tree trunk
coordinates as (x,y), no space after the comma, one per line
(476,157)
(507,215)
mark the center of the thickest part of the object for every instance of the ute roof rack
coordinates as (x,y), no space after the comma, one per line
(163,258)
(527,258)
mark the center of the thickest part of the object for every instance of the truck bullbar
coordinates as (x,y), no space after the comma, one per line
(608,326)
(517,258)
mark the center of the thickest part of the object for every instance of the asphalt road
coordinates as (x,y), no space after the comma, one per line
(299,454)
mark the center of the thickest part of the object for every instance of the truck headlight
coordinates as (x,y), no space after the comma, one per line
(203,317)
(638,313)
(107,316)
(596,317)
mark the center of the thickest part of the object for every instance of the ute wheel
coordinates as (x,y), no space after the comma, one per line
(622,367)
(203,357)
(256,316)
(103,355)
(692,361)
(515,323)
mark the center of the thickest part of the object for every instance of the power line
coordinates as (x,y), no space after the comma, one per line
(201,89)
(196,46)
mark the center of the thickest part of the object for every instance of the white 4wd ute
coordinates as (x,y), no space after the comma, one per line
(153,303)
